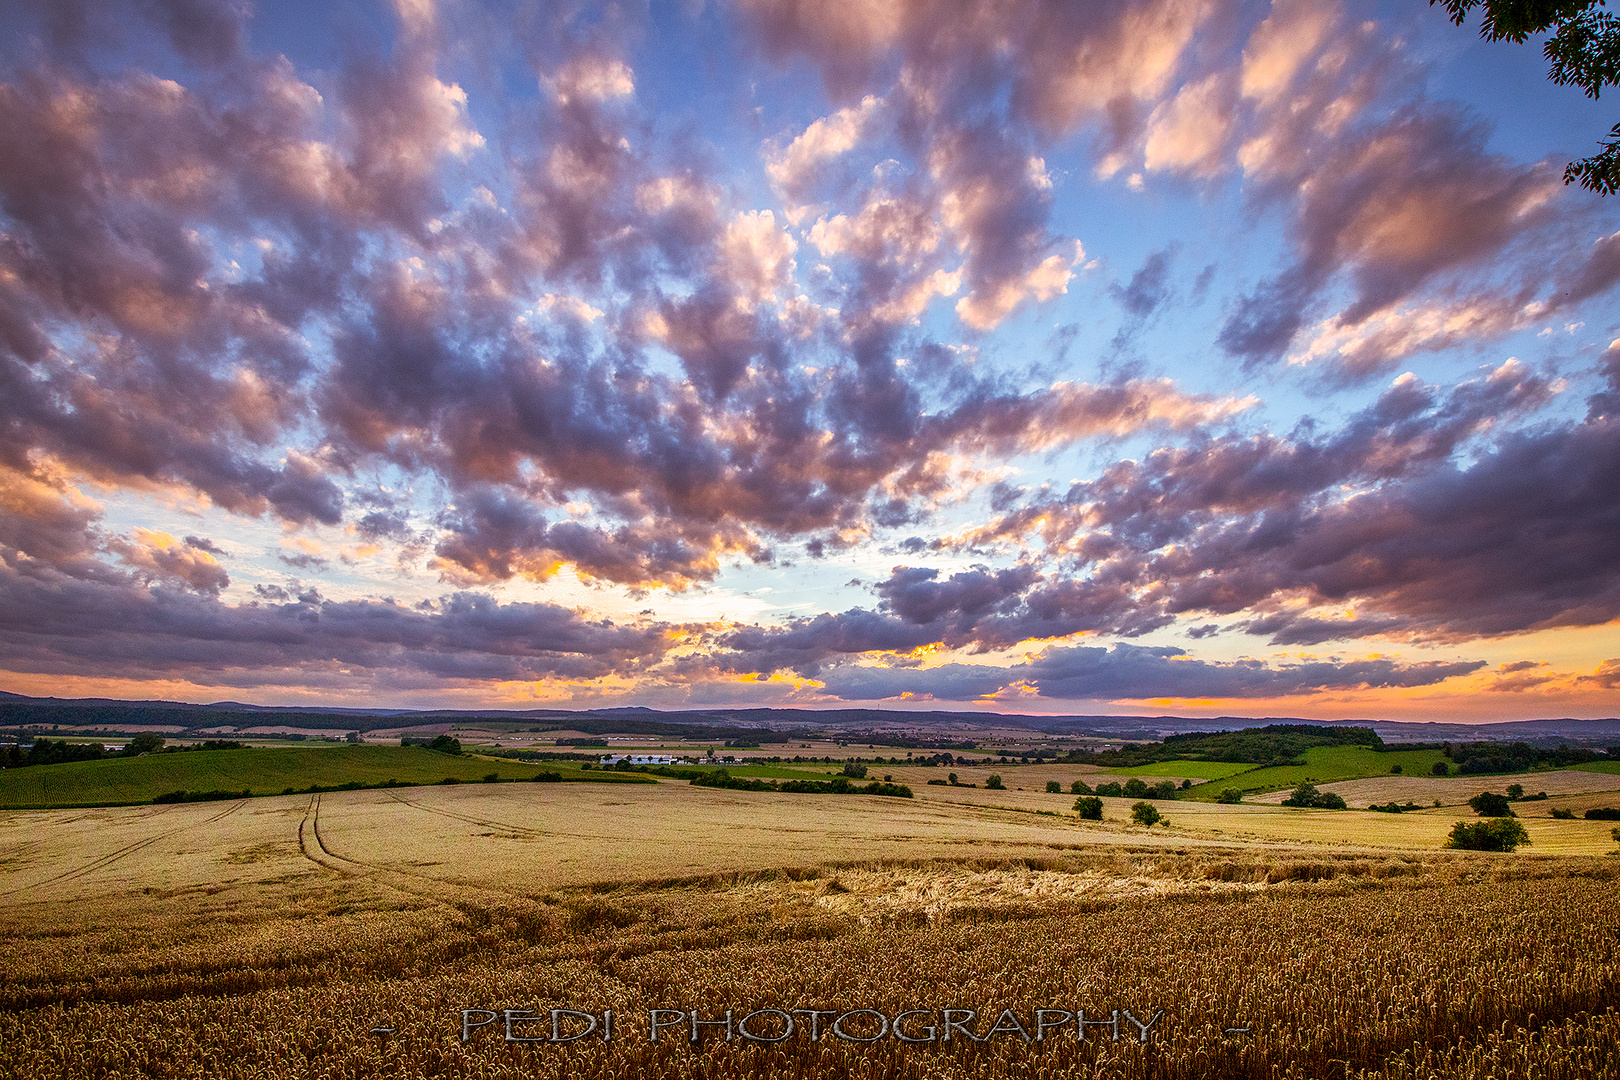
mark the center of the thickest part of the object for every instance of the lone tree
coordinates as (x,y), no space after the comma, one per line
(1492,834)
(1306,795)
(1490,804)
(1584,51)
(1144,813)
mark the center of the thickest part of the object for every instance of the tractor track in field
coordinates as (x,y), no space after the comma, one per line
(103,861)
(490,824)
(421,886)
(468,818)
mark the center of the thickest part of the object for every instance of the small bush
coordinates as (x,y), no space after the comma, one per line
(1396,769)
(1441,769)
(1230,795)
(1564,814)
(546,778)
(1144,813)
(1515,791)
(1603,813)
(994,783)
(1303,795)
(1136,788)
(1492,834)
(1079,787)
(1490,804)
(1306,795)
(855,770)
(1054,788)
(492,778)
(1110,790)
(1089,807)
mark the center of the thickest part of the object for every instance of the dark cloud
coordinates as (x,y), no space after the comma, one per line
(58,625)
(1394,207)
(1379,517)
(1136,672)
(1607,675)
(1149,287)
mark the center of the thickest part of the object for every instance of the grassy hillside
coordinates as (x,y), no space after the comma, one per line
(1324,764)
(264,771)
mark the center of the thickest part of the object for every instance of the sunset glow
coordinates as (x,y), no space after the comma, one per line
(1196,356)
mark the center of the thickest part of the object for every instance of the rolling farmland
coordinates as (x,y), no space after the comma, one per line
(271,937)
(275,936)
(265,771)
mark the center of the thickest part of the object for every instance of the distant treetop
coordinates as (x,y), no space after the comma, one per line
(1584,51)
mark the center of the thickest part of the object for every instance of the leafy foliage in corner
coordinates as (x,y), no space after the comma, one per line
(1584,51)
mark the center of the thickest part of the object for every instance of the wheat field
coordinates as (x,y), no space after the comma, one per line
(279,937)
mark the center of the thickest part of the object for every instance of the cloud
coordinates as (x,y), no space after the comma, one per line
(1377,343)
(1378,518)
(1188,133)
(1394,207)
(1279,48)
(1149,286)
(1607,675)
(797,169)
(59,626)
(1519,676)
(160,557)
(1135,672)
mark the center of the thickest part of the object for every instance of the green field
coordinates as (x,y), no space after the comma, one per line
(1612,768)
(1323,764)
(122,781)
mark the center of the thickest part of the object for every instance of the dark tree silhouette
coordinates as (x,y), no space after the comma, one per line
(1584,50)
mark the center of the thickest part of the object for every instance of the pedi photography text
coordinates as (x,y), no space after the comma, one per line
(773,1025)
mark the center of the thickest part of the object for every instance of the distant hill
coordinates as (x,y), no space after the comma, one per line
(759,725)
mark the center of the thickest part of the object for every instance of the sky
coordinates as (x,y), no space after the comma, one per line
(1125,356)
